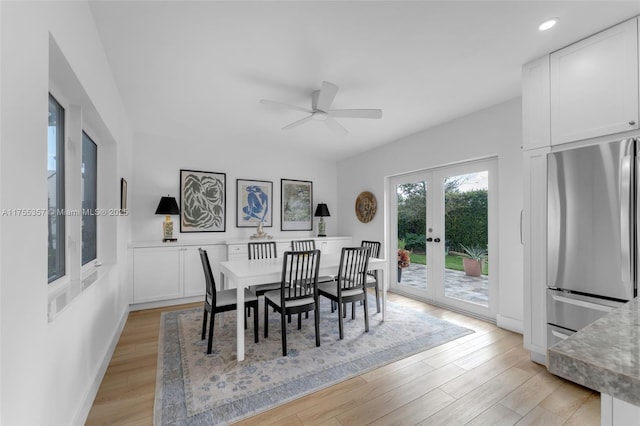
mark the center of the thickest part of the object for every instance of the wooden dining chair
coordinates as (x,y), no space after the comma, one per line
(222,301)
(350,284)
(298,292)
(297,245)
(372,276)
(263,250)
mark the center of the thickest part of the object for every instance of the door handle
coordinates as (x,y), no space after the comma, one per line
(429,239)
(436,240)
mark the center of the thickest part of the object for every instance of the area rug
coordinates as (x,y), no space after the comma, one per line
(193,388)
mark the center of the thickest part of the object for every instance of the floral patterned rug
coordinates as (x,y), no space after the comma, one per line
(194,388)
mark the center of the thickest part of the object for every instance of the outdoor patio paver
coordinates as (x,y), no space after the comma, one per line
(457,284)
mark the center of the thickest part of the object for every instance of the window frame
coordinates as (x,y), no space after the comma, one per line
(89,263)
(61,222)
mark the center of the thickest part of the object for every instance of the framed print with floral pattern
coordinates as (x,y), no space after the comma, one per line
(254,200)
(202,201)
(295,205)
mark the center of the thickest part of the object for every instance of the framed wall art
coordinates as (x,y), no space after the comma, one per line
(123,196)
(295,205)
(202,201)
(254,200)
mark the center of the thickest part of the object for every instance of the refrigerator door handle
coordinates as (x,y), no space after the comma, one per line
(559,335)
(626,216)
(582,303)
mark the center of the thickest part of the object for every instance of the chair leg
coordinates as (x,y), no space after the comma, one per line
(284,333)
(211,324)
(204,323)
(341,307)
(316,316)
(377,297)
(300,321)
(353,310)
(366,314)
(255,322)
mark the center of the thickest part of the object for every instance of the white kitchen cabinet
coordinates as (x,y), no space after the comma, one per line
(164,275)
(594,85)
(533,234)
(536,104)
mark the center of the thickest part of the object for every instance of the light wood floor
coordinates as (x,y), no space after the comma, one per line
(484,378)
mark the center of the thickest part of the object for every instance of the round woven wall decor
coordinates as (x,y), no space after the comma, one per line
(366,206)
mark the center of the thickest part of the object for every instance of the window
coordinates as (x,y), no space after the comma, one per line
(55,184)
(89,198)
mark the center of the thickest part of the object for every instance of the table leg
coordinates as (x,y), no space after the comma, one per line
(383,276)
(240,320)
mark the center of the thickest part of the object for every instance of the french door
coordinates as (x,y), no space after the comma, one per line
(443,222)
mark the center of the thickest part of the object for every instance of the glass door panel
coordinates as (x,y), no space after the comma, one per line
(412,217)
(466,218)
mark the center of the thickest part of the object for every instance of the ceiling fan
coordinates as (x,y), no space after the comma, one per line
(320,110)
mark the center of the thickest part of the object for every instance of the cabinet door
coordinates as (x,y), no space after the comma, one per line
(534,232)
(594,85)
(237,251)
(194,283)
(156,274)
(536,104)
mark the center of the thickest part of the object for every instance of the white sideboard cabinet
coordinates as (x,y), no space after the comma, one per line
(171,273)
(594,85)
(237,249)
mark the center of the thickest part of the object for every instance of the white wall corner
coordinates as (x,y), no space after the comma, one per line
(510,324)
(80,417)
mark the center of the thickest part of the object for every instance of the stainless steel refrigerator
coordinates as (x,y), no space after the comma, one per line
(591,234)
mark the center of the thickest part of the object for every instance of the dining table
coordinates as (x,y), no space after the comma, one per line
(242,273)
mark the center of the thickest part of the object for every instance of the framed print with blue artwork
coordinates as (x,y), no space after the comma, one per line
(202,201)
(254,203)
(295,205)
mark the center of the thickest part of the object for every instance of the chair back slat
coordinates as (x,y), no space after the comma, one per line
(262,250)
(300,274)
(354,262)
(300,245)
(374,246)
(208,276)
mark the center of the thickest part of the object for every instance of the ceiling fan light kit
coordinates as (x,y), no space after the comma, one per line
(321,101)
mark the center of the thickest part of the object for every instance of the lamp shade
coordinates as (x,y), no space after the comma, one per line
(168,206)
(322,210)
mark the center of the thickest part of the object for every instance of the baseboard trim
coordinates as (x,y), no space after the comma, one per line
(83,412)
(163,303)
(510,324)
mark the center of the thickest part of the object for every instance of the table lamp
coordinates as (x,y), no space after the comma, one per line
(168,206)
(322,211)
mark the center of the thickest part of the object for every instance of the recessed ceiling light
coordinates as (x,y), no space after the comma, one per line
(549,23)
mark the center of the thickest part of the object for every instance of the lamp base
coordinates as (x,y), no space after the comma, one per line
(169,240)
(322,235)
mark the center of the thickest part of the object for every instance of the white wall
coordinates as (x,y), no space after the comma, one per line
(158,160)
(50,371)
(492,132)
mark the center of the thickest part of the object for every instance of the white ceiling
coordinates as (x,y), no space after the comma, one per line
(197,70)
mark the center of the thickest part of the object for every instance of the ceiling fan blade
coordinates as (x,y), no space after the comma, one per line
(280,104)
(327,93)
(355,113)
(335,127)
(297,123)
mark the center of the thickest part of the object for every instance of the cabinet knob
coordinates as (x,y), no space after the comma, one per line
(632,123)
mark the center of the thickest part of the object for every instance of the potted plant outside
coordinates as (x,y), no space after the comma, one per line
(404,258)
(472,259)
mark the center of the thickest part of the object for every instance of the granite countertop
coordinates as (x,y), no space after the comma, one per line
(605,355)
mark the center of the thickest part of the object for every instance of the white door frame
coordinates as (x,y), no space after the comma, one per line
(435,288)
